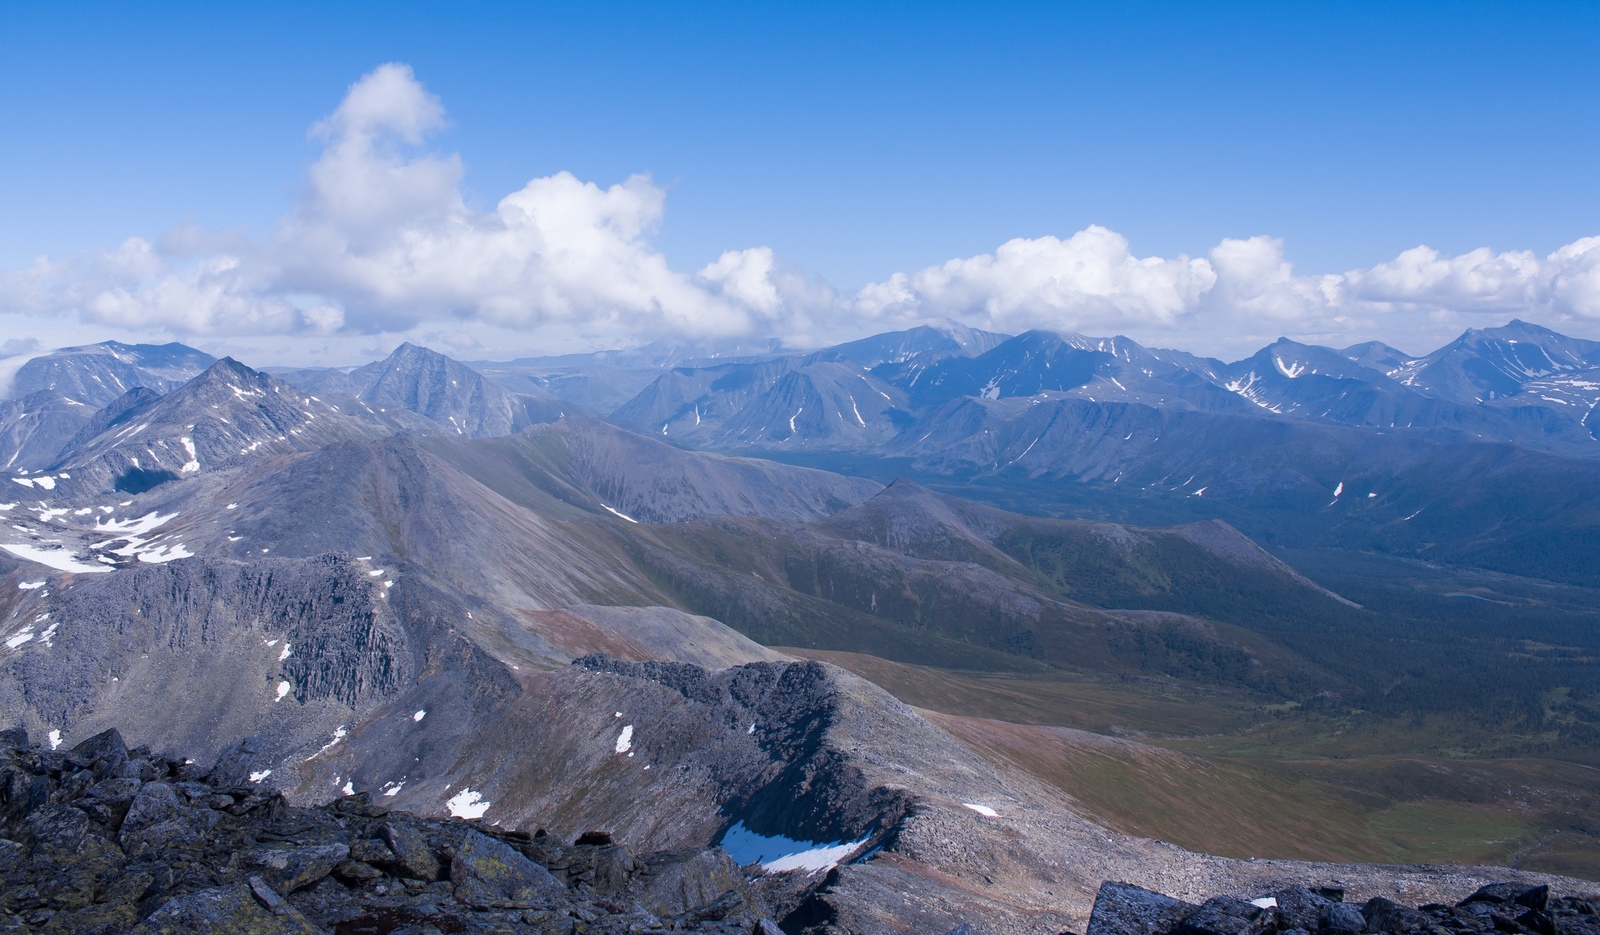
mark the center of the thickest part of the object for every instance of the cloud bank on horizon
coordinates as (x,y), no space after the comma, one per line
(383,241)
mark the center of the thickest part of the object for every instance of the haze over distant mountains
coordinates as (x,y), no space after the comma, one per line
(383,573)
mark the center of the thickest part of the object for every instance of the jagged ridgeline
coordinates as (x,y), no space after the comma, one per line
(475,599)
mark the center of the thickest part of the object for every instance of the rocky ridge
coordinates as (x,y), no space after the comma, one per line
(103,839)
(1511,908)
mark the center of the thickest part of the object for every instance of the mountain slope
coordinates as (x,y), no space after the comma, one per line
(822,400)
(1494,363)
(34,429)
(225,414)
(423,381)
(96,374)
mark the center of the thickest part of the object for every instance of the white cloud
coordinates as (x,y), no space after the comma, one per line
(382,243)
(1089,280)
(382,240)
(1093,282)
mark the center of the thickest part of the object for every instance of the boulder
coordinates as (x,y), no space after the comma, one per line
(1392,918)
(671,883)
(1342,919)
(1125,909)
(104,753)
(287,869)
(223,910)
(1225,915)
(490,874)
(411,851)
(1536,897)
(1301,908)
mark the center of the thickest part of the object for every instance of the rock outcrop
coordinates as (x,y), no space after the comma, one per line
(102,839)
(1509,908)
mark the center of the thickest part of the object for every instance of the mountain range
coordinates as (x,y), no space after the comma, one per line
(464,590)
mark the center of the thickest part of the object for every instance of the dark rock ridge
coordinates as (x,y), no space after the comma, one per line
(103,839)
(1507,908)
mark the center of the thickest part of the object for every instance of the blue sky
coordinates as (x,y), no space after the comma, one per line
(856,141)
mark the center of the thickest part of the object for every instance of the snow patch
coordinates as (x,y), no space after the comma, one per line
(467,804)
(29,585)
(983,810)
(339,733)
(1338,491)
(393,788)
(260,774)
(1265,902)
(23,636)
(625,739)
(286,652)
(777,854)
(165,553)
(283,691)
(619,513)
(422,713)
(55,739)
(59,559)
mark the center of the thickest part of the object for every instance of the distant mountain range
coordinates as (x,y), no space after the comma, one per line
(385,575)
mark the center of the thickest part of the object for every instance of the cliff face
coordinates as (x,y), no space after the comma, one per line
(198,653)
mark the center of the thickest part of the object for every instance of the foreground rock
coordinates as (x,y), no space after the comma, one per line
(102,839)
(1508,908)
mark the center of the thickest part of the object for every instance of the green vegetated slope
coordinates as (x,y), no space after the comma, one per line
(1209,771)
(1276,717)
(1251,709)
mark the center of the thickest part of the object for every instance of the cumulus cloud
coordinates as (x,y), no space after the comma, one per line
(381,241)
(1093,281)
(1090,279)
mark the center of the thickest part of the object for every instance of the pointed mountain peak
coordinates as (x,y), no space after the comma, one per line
(903,487)
(227,370)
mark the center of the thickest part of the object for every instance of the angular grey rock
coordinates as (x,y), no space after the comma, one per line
(489,874)
(1391,917)
(57,830)
(673,883)
(223,910)
(1516,893)
(1125,909)
(1302,908)
(105,753)
(154,803)
(1225,915)
(411,851)
(291,868)
(1342,919)
(372,851)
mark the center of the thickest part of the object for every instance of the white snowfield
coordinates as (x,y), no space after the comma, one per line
(625,739)
(58,558)
(777,854)
(983,810)
(467,804)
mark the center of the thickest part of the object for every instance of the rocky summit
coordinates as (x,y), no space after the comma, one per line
(102,839)
(1510,908)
